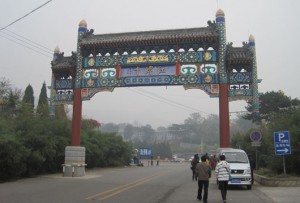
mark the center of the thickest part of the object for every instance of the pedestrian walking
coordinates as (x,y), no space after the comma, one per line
(203,172)
(252,167)
(213,162)
(223,172)
(194,163)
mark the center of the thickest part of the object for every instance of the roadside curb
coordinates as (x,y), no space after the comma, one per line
(277,182)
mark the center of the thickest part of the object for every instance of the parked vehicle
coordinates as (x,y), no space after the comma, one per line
(239,165)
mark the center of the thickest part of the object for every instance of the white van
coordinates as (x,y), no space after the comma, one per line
(239,165)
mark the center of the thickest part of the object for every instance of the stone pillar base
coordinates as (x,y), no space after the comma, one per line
(74,165)
(73,170)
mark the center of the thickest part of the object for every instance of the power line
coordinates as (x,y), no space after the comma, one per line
(23,41)
(25,15)
(46,49)
(26,46)
(159,98)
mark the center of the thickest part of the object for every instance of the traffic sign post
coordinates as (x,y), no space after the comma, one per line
(255,136)
(282,145)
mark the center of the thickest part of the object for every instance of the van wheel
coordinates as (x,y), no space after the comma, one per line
(249,187)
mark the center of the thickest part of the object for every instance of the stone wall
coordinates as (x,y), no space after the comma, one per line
(288,182)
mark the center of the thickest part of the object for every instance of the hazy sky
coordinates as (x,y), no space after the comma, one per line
(273,23)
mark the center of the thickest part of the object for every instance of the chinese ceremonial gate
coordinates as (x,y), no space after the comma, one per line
(197,58)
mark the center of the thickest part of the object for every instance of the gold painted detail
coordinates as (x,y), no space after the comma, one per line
(91,62)
(207,56)
(145,59)
(90,82)
(207,78)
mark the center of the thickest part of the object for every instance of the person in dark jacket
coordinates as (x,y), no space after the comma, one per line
(203,171)
(252,167)
(194,163)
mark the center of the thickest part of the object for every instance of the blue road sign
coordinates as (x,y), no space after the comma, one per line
(282,143)
(255,136)
(145,152)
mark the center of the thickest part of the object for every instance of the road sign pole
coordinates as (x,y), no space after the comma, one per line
(256,160)
(283,159)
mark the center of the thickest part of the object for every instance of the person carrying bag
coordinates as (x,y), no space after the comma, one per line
(223,174)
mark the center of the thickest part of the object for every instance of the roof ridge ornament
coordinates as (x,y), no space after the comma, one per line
(220,14)
(212,24)
(88,33)
(83,23)
(251,38)
(56,50)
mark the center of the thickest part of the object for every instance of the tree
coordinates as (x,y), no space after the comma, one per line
(241,125)
(148,133)
(28,97)
(279,121)
(9,98)
(5,88)
(128,132)
(60,111)
(177,131)
(199,129)
(110,127)
(210,128)
(42,108)
(11,106)
(270,103)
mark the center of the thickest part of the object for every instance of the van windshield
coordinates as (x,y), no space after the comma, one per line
(236,157)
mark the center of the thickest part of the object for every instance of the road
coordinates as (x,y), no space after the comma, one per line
(166,183)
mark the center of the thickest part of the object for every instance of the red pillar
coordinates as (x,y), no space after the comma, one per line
(224,116)
(76,121)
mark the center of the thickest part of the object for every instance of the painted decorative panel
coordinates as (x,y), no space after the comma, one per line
(64,84)
(241,77)
(150,59)
(188,69)
(239,92)
(208,68)
(148,70)
(87,93)
(91,73)
(150,80)
(62,99)
(108,72)
(239,87)
(212,90)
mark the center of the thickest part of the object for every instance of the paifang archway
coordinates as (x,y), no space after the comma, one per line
(196,58)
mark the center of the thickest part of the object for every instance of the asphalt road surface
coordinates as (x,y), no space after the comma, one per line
(166,183)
